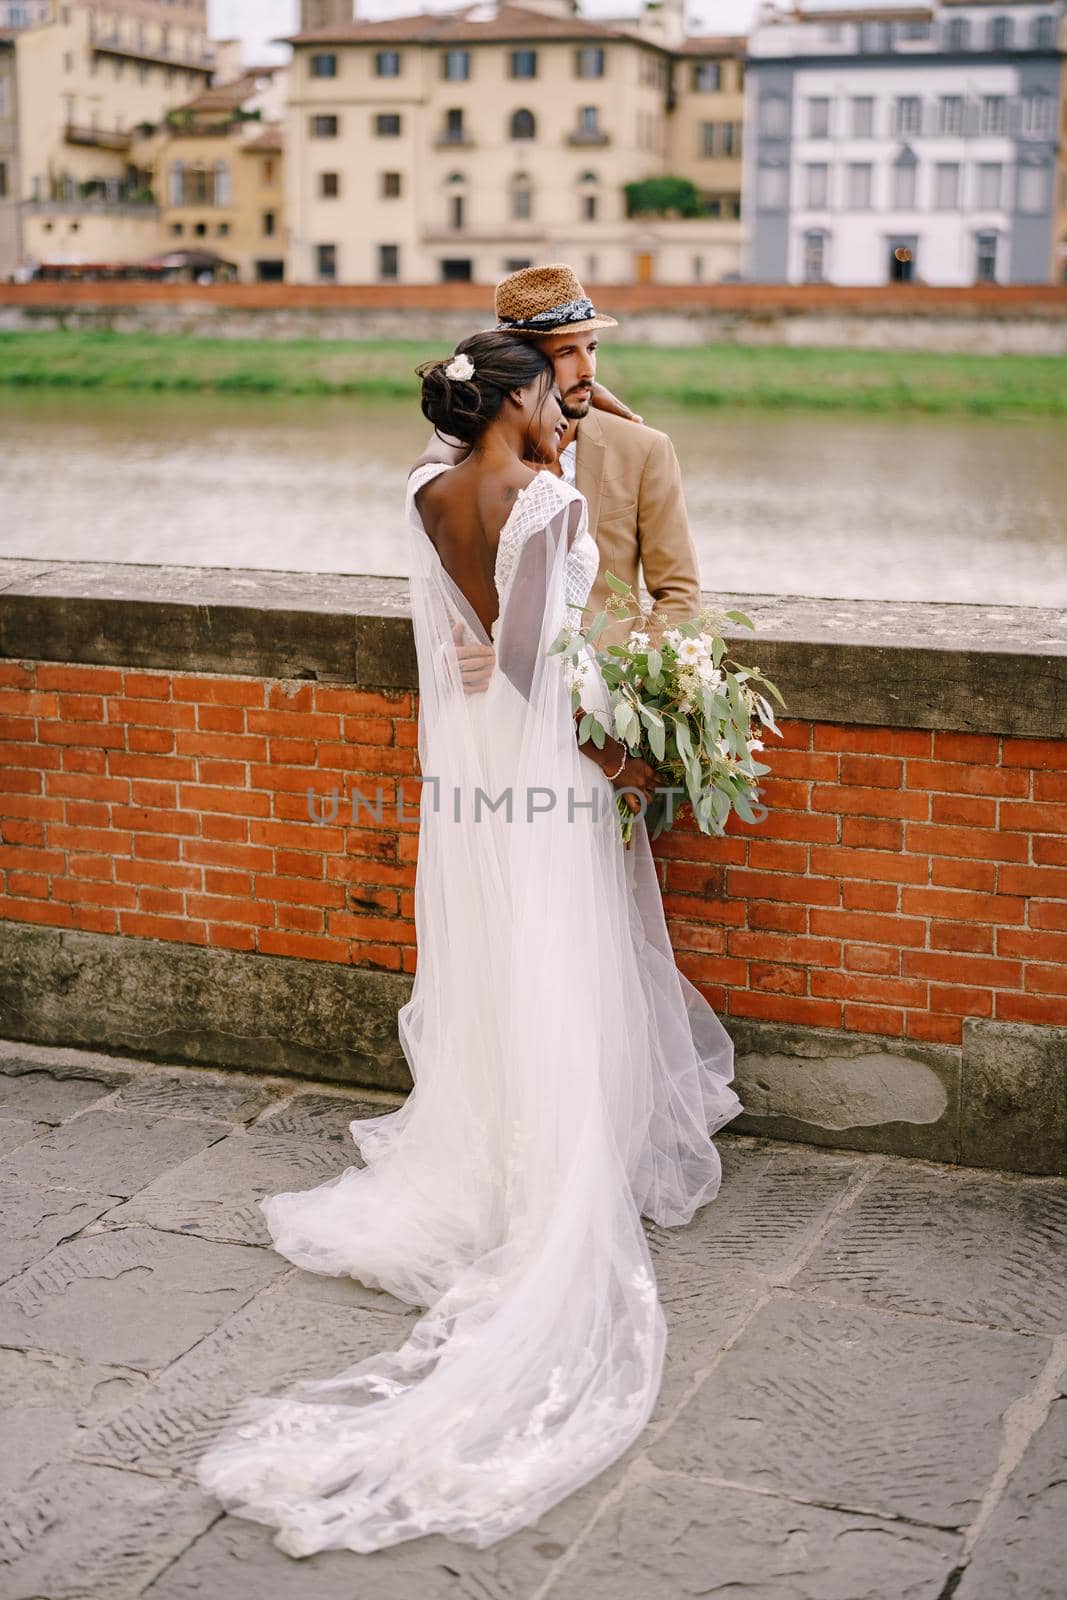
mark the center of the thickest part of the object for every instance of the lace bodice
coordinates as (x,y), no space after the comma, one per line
(534,507)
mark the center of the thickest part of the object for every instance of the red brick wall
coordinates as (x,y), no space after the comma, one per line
(903,880)
(906,299)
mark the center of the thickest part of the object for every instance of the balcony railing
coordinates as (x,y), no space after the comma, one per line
(100,138)
(450,139)
(588,136)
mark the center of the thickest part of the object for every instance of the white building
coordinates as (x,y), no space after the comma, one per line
(902,142)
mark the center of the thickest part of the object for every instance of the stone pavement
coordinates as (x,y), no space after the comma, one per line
(865,1396)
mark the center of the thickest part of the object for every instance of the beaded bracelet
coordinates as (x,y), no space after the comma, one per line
(611,776)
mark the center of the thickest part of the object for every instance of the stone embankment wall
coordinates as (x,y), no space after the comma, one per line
(888,947)
(986,319)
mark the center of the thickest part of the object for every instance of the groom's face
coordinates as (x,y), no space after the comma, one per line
(574,357)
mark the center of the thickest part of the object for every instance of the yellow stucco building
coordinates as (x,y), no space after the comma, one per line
(86,84)
(459,146)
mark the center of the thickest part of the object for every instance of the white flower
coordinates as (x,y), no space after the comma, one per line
(639,641)
(460,367)
(689,652)
(708,674)
(673,637)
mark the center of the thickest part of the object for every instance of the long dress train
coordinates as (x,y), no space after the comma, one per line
(566,1079)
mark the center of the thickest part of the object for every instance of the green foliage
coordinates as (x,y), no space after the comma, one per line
(658,196)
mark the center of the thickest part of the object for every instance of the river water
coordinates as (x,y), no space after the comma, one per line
(897,508)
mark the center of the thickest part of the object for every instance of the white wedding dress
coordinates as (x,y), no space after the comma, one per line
(566,1078)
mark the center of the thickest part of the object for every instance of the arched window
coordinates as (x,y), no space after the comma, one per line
(958,34)
(521,197)
(1000,33)
(523,125)
(1042,33)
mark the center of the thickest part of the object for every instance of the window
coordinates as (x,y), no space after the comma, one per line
(390,185)
(589,207)
(521,198)
(388,261)
(517,263)
(325,127)
(387,125)
(456,270)
(989,184)
(815,257)
(269,220)
(875,38)
(720,139)
(456,210)
(266,174)
(907,114)
(947,186)
(818,119)
(523,125)
(454,131)
(698,269)
(914,30)
(177,229)
(1037,114)
(326,262)
(3,180)
(707,77)
(588,120)
(818,184)
(985,258)
(904,183)
(200,230)
(951,113)
(592,269)
(958,34)
(329,185)
(1000,33)
(387,64)
(324,65)
(994,113)
(863,117)
(223,229)
(456,65)
(523,64)
(860,176)
(1031,196)
(774,117)
(772,188)
(589,62)
(1042,33)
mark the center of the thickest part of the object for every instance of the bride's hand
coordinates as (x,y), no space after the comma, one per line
(476,662)
(604,400)
(636,774)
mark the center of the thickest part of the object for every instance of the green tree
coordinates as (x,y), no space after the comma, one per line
(657,196)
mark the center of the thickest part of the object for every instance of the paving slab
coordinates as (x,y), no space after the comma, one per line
(196,1094)
(1020,1553)
(980,1246)
(46,1400)
(33,1221)
(216,1194)
(339,1292)
(671,1537)
(262,1349)
(17,1131)
(130,1297)
(772,1204)
(323,1116)
(49,1095)
(857,1407)
(117,1152)
(93,1533)
(237,1560)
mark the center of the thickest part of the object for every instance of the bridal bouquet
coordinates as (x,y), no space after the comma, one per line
(682,704)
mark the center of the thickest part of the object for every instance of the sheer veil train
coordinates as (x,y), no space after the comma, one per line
(566,1078)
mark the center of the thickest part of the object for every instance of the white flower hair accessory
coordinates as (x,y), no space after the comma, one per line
(460,368)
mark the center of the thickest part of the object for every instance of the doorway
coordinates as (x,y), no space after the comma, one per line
(643,266)
(902,264)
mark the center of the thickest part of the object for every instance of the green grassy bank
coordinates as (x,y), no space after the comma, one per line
(712,375)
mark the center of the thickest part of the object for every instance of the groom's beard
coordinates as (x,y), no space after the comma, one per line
(576,402)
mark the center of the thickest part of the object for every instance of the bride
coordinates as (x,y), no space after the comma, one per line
(566,1075)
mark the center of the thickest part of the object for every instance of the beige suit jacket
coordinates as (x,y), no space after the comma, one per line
(630,477)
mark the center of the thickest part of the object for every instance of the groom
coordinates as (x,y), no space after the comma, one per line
(628,473)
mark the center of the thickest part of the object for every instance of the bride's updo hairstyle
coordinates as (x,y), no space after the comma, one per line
(465,406)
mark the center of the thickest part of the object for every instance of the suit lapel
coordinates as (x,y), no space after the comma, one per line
(589,466)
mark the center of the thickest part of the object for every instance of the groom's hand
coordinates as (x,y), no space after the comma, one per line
(476,662)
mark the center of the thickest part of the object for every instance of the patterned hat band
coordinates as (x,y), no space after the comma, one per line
(556,316)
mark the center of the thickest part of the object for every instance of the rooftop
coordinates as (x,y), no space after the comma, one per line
(476,24)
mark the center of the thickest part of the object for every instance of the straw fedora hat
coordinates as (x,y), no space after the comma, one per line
(538,300)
